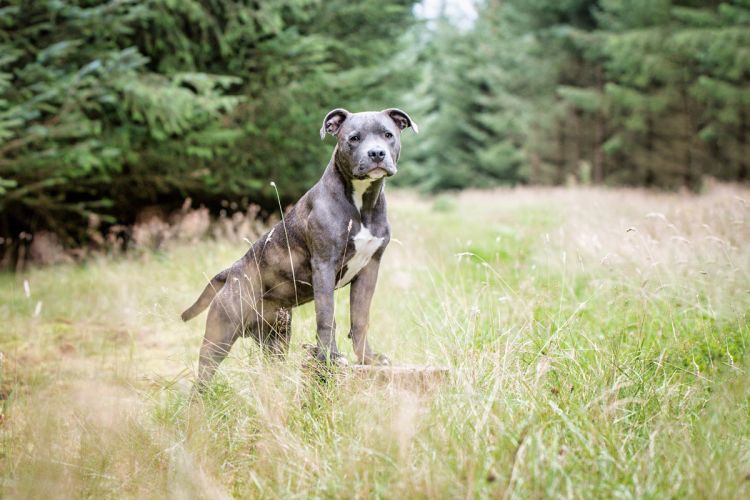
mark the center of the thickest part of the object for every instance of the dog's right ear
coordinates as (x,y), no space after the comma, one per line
(332,122)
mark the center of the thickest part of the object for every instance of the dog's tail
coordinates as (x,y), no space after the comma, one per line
(213,287)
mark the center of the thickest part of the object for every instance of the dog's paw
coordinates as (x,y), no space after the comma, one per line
(339,360)
(377,359)
(325,358)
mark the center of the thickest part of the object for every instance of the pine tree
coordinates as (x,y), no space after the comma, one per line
(671,104)
(109,106)
(82,114)
(476,93)
(715,43)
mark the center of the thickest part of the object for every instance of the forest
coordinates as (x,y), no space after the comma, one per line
(109,107)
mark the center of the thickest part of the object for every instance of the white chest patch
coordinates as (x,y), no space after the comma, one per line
(358,191)
(365,245)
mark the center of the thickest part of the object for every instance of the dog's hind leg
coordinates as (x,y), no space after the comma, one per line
(223,327)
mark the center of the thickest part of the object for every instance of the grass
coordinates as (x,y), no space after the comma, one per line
(596,339)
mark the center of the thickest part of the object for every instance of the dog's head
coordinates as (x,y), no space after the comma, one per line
(369,143)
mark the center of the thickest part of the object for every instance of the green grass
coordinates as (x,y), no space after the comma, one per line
(596,342)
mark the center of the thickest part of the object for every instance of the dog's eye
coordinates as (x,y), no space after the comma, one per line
(388,135)
(354,138)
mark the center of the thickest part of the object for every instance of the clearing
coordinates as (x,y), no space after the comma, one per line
(596,340)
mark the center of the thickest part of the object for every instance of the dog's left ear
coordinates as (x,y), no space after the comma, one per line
(332,122)
(401,118)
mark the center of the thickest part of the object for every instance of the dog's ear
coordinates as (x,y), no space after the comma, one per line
(332,122)
(401,118)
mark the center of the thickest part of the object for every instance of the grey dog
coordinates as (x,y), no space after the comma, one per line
(334,236)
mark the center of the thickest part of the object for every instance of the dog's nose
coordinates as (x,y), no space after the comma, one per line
(376,154)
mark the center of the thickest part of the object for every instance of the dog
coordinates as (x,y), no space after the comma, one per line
(333,237)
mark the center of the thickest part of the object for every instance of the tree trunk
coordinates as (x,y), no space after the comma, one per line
(690,176)
(742,168)
(601,133)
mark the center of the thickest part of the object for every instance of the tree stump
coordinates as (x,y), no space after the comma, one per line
(419,377)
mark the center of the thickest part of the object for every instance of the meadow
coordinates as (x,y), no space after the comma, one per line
(596,341)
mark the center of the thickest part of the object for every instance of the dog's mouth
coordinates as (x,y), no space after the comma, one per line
(373,171)
(377,173)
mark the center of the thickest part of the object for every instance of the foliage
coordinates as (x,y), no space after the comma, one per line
(107,107)
(646,93)
(110,106)
(471,99)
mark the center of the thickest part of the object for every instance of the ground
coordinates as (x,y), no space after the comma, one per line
(596,342)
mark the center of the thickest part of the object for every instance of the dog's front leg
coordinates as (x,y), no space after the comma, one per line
(360,297)
(324,278)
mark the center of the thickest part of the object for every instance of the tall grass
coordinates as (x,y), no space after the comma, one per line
(596,342)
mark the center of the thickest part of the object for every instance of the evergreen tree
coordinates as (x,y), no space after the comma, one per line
(109,106)
(80,112)
(475,96)
(647,92)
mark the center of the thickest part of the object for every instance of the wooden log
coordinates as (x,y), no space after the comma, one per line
(420,377)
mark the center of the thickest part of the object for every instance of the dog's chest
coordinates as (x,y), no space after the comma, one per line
(365,246)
